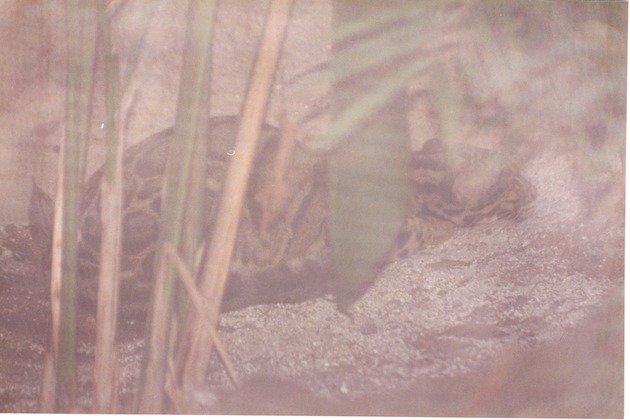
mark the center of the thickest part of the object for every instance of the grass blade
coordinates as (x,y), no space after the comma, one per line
(81,27)
(224,235)
(196,58)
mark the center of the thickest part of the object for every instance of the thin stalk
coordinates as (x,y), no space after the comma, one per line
(196,57)
(119,101)
(195,297)
(105,360)
(81,27)
(49,382)
(224,234)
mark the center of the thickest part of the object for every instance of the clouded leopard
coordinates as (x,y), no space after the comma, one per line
(281,253)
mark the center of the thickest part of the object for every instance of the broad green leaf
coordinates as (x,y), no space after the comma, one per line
(369,167)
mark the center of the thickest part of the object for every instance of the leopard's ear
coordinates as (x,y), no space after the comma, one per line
(41,218)
(433,145)
(41,209)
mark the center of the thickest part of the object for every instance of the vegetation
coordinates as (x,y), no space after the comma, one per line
(378,51)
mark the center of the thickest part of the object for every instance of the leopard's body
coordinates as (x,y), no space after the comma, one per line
(281,254)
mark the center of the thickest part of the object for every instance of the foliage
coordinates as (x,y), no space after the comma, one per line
(379,50)
(375,48)
(193,80)
(81,27)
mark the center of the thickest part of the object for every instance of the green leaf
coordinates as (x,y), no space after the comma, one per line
(81,31)
(368,171)
(195,63)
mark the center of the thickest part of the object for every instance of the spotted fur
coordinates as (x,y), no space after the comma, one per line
(285,258)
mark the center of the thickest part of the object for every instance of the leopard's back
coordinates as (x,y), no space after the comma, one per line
(459,189)
(281,252)
(282,241)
